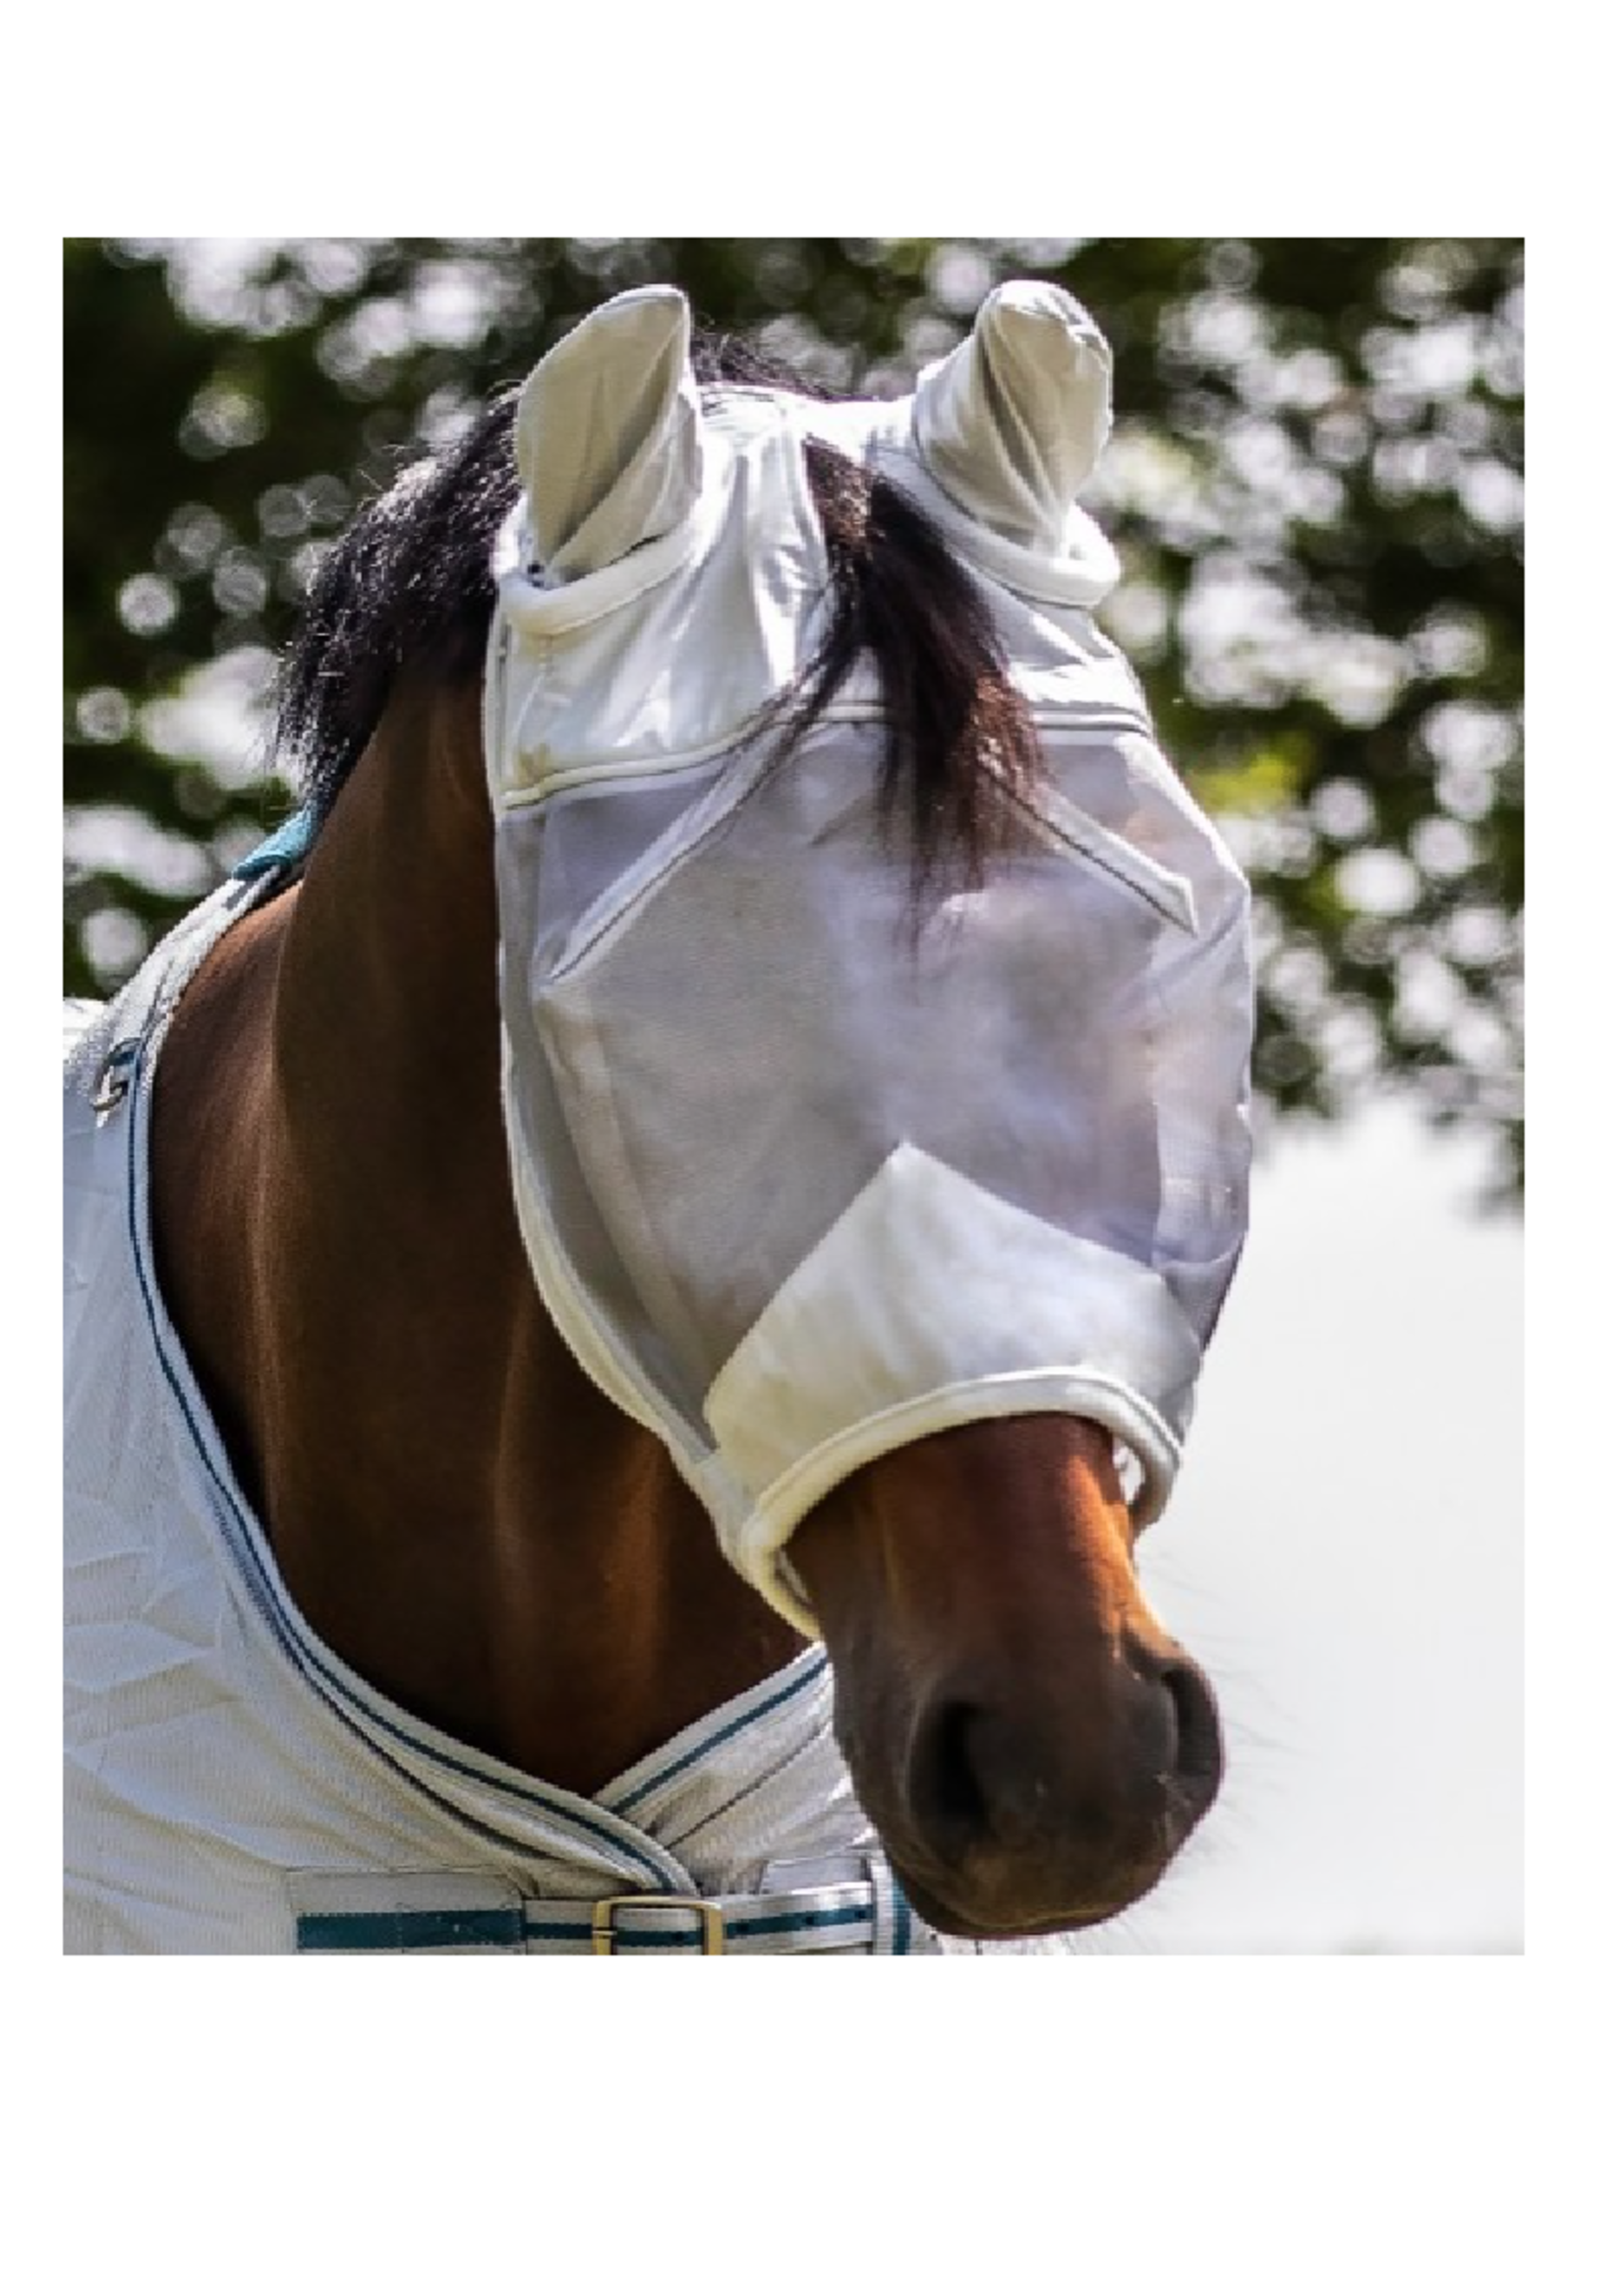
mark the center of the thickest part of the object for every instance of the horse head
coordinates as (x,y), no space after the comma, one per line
(875,1011)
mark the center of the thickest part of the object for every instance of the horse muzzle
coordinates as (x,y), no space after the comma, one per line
(1029,1744)
(1006,1817)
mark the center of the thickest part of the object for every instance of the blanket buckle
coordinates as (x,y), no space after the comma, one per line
(709,1919)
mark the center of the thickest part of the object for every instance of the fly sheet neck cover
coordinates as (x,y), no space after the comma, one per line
(801,1181)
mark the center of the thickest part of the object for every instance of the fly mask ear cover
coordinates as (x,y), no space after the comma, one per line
(801,1181)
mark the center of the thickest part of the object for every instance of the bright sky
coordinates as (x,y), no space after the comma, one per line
(1347,1543)
(1344,1554)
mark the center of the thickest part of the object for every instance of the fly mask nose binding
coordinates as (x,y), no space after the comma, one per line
(779,1220)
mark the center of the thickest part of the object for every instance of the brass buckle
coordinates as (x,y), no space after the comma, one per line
(710,1916)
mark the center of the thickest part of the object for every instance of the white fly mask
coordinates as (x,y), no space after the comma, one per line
(802,1178)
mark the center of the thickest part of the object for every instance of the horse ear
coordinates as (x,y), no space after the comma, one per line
(607,433)
(1013,422)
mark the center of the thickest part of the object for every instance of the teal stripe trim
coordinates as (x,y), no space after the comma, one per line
(792,1922)
(806,1675)
(410,1930)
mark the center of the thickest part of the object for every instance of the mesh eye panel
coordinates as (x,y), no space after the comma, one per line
(739,1053)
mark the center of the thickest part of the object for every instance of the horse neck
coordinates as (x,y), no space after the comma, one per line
(457,1509)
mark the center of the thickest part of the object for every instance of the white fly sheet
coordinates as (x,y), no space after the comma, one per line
(232,1785)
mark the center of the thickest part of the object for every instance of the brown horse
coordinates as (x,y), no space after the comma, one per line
(675,1210)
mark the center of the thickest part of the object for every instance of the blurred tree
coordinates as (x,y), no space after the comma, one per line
(1315,483)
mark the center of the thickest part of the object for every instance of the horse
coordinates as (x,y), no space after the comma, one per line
(635,1274)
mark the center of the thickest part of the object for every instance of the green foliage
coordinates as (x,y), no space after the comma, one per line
(1314,485)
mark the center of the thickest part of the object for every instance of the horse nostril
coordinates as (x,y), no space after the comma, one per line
(983,1775)
(1198,1751)
(946,1790)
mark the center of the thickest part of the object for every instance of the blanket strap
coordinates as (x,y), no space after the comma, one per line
(360,1912)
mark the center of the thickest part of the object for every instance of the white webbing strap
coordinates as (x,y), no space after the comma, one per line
(360,1912)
